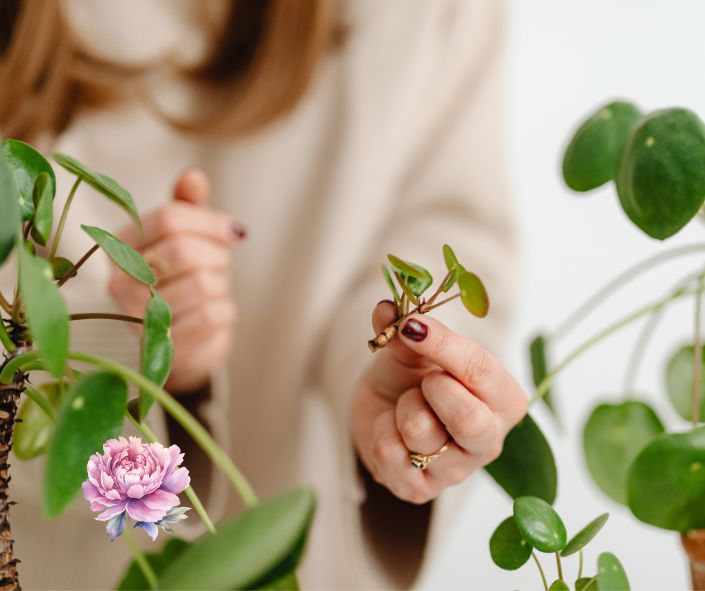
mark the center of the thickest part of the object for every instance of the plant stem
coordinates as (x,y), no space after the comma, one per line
(559,566)
(543,576)
(140,558)
(426,308)
(73,270)
(621,279)
(5,338)
(4,304)
(439,290)
(183,417)
(62,219)
(580,563)
(13,365)
(190,493)
(39,399)
(604,333)
(105,316)
(697,359)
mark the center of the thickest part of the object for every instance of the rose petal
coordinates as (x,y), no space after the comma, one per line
(162,500)
(111,512)
(177,482)
(151,529)
(90,492)
(139,511)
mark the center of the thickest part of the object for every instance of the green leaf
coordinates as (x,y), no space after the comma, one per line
(661,179)
(559,585)
(408,292)
(288,582)
(586,584)
(9,206)
(414,276)
(60,267)
(610,574)
(26,165)
(592,156)
(44,208)
(157,347)
(508,549)
(390,283)
(134,580)
(246,549)
(473,294)
(91,414)
(679,382)
(539,368)
(666,485)
(585,535)
(453,265)
(539,524)
(101,183)
(34,428)
(526,466)
(124,256)
(612,438)
(45,311)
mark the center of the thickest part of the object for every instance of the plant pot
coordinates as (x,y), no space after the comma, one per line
(694,545)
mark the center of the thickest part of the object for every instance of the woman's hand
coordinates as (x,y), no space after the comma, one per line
(188,247)
(430,386)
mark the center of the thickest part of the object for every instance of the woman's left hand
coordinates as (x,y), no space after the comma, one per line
(431,386)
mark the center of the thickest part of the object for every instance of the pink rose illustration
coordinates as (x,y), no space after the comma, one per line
(136,480)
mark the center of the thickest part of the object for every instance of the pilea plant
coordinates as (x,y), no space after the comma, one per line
(535,525)
(657,163)
(75,414)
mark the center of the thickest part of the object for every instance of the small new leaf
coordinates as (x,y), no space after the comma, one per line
(473,294)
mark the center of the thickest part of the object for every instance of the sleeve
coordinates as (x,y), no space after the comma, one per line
(453,189)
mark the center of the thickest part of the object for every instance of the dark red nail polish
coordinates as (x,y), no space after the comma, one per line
(415,330)
(238,230)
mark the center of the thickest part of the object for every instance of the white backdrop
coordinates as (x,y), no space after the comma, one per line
(566,57)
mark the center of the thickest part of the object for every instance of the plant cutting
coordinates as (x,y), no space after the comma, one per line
(74,420)
(655,161)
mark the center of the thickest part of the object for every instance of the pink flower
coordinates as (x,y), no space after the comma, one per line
(140,480)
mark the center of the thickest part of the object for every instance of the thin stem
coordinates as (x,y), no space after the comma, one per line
(184,418)
(4,304)
(190,493)
(581,558)
(36,395)
(13,366)
(621,279)
(140,558)
(604,333)
(439,289)
(5,339)
(27,229)
(543,576)
(697,359)
(426,308)
(559,566)
(105,316)
(62,219)
(73,270)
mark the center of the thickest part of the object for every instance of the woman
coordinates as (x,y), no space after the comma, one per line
(335,132)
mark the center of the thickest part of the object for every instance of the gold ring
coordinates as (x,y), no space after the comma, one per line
(422,461)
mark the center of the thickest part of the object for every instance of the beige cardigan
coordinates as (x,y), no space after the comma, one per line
(397,146)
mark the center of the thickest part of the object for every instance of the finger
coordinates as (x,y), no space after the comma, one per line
(193,365)
(131,296)
(175,255)
(453,466)
(470,422)
(199,323)
(193,288)
(192,186)
(383,315)
(180,217)
(418,425)
(467,361)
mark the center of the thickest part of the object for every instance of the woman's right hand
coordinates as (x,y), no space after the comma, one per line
(189,248)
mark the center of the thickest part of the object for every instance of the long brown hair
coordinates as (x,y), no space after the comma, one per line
(260,64)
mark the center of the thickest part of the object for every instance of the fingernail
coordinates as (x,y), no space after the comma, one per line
(238,230)
(415,330)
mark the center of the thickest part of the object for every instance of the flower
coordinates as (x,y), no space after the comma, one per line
(136,480)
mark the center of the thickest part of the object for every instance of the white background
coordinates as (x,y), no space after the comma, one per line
(566,58)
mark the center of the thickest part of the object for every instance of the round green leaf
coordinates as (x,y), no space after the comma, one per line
(591,158)
(247,549)
(34,428)
(666,483)
(526,466)
(45,311)
(661,179)
(157,347)
(9,206)
(539,368)
(610,574)
(101,183)
(26,165)
(585,535)
(60,267)
(586,584)
(612,438)
(559,585)
(679,382)
(134,579)
(507,548)
(539,524)
(473,294)
(453,265)
(413,276)
(124,256)
(91,414)
(44,208)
